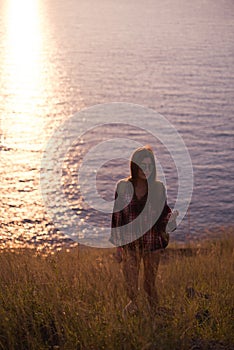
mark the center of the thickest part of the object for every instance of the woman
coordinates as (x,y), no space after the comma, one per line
(139,221)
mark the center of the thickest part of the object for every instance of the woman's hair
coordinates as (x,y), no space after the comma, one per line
(137,157)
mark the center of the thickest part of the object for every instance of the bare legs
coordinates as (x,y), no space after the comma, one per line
(131,267)
(151,263)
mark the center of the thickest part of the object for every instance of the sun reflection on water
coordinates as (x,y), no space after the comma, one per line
(23,74)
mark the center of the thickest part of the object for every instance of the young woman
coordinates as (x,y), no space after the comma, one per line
(139,220)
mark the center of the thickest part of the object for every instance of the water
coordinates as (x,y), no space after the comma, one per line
(57,57)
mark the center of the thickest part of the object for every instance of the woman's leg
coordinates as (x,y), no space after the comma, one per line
(131,266)
(151,263)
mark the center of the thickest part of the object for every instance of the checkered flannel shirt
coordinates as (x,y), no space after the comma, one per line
(145,232)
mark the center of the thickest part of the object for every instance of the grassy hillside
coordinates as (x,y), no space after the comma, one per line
(74,300)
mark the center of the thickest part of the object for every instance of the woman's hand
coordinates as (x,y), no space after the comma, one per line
(173,215)
(172,225)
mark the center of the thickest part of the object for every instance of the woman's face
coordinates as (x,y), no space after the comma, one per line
(145,168)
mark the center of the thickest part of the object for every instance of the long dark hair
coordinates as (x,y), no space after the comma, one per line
(137,157)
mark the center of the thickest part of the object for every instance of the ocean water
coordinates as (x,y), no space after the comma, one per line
(58,58)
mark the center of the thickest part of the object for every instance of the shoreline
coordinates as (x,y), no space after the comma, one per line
(66,244)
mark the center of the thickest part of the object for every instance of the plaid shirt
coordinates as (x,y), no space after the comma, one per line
(151,217)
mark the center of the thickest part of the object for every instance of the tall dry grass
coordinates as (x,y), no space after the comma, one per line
(74,300)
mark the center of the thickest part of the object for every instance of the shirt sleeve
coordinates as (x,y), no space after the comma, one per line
(162,222)
(117,220)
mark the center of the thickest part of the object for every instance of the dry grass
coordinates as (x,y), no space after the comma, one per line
(74,300)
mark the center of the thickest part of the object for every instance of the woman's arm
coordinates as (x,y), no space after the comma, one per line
(117,219)
(164,218)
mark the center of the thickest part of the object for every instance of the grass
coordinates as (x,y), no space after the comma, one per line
(74,300)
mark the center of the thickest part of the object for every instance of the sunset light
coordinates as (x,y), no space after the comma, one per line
(23,71)
(116,146)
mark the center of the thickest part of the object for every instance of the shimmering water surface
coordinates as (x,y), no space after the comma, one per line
(58,57)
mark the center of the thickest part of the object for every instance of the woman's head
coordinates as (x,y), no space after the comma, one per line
(143,164)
